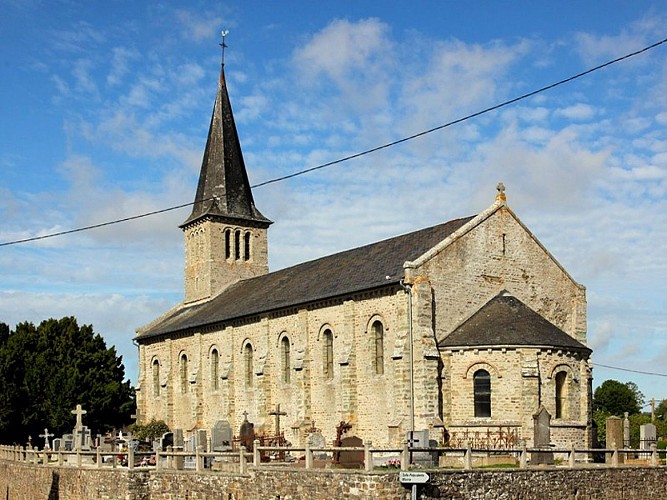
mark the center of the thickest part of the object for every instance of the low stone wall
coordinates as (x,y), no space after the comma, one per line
(22,481)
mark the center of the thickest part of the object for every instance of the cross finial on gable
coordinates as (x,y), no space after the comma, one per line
(501,192)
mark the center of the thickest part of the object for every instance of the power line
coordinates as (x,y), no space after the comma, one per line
(629,370)
(94,226)
(362,153)
(465,118)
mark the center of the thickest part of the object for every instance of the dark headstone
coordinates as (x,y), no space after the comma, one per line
(351,459)
(167,440)
(247,434)
(221,436)
(542,437)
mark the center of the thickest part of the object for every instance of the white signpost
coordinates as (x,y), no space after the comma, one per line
(413,478)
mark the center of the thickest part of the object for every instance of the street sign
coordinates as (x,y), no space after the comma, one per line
(413,477)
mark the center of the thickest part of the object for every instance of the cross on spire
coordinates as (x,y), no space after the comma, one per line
(224,33)
(277,413)
(79,412)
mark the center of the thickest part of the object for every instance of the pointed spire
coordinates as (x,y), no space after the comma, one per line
(224,189)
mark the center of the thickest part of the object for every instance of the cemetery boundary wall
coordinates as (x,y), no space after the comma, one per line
(19,481)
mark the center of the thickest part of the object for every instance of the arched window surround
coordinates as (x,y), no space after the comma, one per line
(155,368)
(376,330)
(183,371)
(215,368)
(482,390)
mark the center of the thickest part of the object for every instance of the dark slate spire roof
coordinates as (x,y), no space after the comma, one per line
(506,321)
(363,268)
(224,189)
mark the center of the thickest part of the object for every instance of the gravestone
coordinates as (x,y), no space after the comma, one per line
(221,436)
(421,439)
(542,437)
(166,440)
(626,430)
(82,437)
(316,440)
(647,436)
(190,445)
(179,445)
(247,433)
(614,437)
(351,459)
(68,442)
(201,440)
(57,443)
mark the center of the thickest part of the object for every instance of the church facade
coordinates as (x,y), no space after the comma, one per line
(466,329)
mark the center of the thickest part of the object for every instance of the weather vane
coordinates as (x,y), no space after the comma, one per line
(224,33)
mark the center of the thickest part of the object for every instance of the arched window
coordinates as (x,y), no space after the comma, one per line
(482,389)
(184,374)
(327,337)
(246,246)
(561,395)
(215,357)
(237,244)
(284,353)
(247,358)
(378,342)
(156,377)
(228,243)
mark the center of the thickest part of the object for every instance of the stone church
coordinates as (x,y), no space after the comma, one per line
(466,329)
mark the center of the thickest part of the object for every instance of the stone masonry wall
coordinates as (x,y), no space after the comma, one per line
(375,403)
(28,482)
(501,254)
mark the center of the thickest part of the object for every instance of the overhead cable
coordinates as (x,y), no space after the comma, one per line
(362,153)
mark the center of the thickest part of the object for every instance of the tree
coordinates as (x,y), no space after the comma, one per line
(615,398)
(150,431)
(661,410)
(45,371)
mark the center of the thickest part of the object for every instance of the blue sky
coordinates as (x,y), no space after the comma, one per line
(105,108)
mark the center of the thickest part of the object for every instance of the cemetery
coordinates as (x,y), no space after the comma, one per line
(228,461)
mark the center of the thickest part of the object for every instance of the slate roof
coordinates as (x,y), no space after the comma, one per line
(363,268)
(506,321)
(223,189)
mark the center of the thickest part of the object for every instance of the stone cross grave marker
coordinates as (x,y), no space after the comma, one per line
(221,436)
(46,437)
(79,412)
(277,413)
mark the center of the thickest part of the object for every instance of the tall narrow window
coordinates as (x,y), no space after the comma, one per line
(237,244)
(561,395)
(246,246)
(482,389)
(327,337)
(285,352)
(184,374)
(156,377)
(228,243)
(214,369)
(247,358)
(378,339)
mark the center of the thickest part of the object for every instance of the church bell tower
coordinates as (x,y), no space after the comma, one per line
(225,235)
